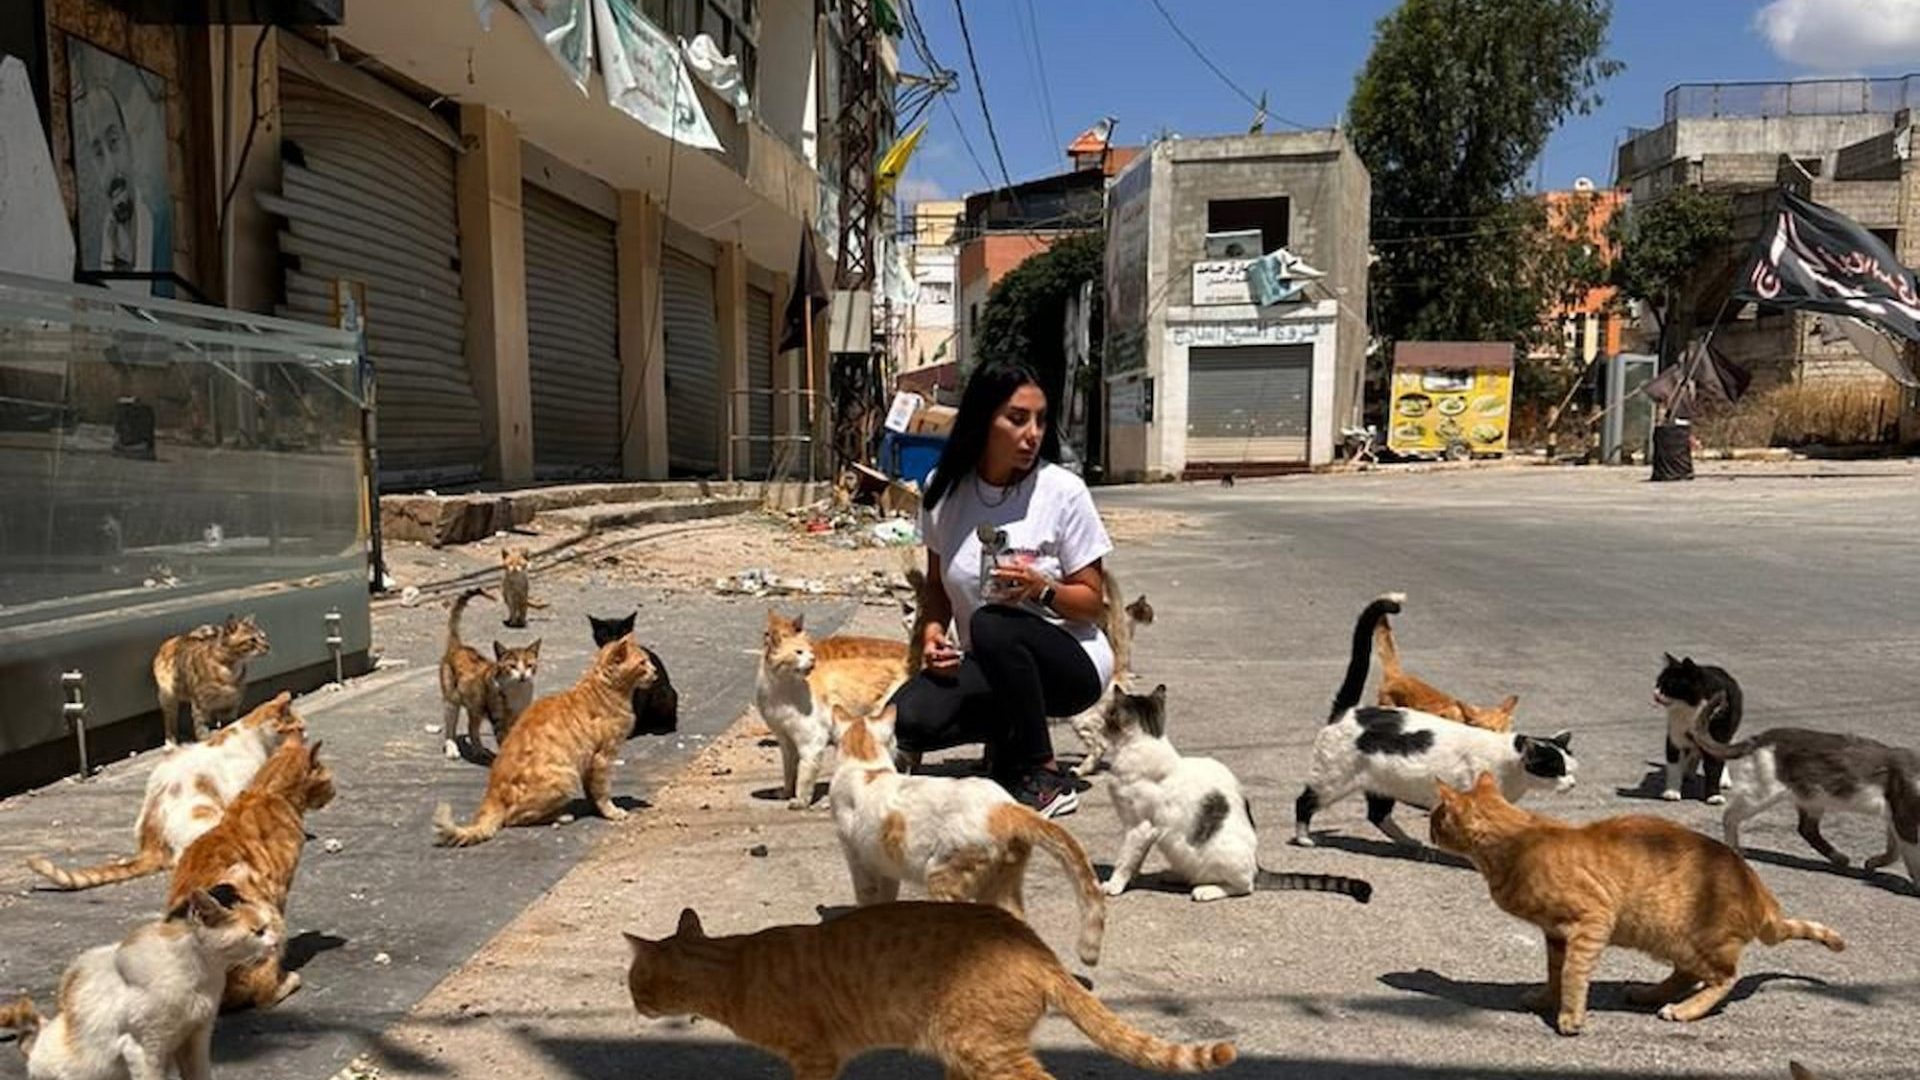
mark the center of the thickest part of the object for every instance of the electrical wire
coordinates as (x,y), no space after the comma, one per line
(1031,40)
(1194,47)
(980,89)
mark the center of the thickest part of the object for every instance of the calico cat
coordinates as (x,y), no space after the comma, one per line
(1401,690)
(562,743)
(516,586)
(1688,691)
(206,667)
(656,708)
(963,983)
(1398,754)
(145,1007)
(802,681)
(1191,810)
(1824,772)
(186,794)
(256,847)
(963,838)
(1644,883)
(496,690)
(1090,726)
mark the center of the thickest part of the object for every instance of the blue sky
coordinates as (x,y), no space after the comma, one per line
(1118,58)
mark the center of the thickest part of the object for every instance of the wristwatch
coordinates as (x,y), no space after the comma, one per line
(1046,597)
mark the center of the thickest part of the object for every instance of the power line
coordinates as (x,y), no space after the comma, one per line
(966,142)
(1032,42)
(1194,47)
(980,88)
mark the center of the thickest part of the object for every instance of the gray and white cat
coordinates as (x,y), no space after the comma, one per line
(1822,772)
(145,1007)
(1398,754)
(1190,809)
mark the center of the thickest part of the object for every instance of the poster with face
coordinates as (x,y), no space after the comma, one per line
(119,124)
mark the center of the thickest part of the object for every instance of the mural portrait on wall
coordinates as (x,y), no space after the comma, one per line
(119,124)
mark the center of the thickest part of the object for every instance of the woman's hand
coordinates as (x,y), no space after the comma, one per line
(938,655)
(1016,584)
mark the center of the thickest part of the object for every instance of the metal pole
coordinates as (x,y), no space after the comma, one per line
(335,644)
(74,683)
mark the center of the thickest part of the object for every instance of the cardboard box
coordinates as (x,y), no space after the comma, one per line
(932,420)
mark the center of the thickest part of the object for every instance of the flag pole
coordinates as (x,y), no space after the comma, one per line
(813,405)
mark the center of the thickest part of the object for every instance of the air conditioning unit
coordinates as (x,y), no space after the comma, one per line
(236,12)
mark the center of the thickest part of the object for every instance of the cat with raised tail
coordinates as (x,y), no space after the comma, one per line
(1396,755)
(963,983)
(1191,810)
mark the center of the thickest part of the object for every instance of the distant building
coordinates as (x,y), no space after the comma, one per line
(1200,380)
(1591,327)
(929,351)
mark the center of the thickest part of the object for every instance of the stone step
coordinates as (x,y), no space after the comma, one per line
(652,512)
(468,516)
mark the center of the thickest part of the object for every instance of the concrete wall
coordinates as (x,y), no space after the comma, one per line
(1800,136)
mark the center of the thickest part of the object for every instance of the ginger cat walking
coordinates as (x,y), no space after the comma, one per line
(963,983)
(516,585)
(1403,691)
(1640,882)
(563,742)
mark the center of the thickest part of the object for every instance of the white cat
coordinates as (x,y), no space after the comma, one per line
(1191,810)
(963,838)
(186,794)
(1398,754)
(146,1006)
(1090,725)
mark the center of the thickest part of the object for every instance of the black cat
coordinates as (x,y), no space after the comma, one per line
(1684,689)
(656,709)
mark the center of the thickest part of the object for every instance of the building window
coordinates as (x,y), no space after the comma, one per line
(1269,215)
(734,25)
(936,292)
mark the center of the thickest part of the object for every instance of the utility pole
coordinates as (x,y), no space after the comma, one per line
(856,379)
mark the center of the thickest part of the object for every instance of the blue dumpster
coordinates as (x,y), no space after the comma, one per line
(910,457)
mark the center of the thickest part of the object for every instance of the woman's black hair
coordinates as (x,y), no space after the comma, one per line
(987,390)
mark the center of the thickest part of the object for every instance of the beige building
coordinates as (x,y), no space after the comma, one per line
(930,322)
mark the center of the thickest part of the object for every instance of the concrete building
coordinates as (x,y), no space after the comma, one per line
(1847,143)
(1592,326)
(553,286)
(1200,380)
(929,354)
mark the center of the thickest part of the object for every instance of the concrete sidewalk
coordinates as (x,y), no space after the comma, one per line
(378,924)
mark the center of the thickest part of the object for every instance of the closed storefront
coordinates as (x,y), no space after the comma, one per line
(367,196)
(760,380)
(1249,405)
(573,338)
(693,364)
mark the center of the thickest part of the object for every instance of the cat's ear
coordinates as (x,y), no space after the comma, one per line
(1669,659)
(639,947)
(1562,739)
(799,622)
(533,649)
(1801,1072)
(1486,785)
(1445,793)
(313,754)
(1159,694)
(1510,703)
(689,926)
(499,650)
(1687,664)
(205,910)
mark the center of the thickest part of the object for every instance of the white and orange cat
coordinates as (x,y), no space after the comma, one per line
(963,838)
(962,983)
(186,795)
(802,681)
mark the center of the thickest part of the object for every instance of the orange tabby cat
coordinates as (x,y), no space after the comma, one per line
(495,690)
(256,847)
(516,585)
(963,983)
(562,742)
(1403,691)
(802,681)
(206,667)
(1641,882)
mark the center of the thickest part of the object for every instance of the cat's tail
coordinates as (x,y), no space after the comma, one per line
(1383,644)
(1024,824)
(20,1017)
(149,861)
(486,824)
(1711,746)
(1785,929)
(1269,881)
(1115,620)
(1130,1044)
(453,616)
(1356,681)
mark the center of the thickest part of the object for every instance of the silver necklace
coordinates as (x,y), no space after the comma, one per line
(980,488)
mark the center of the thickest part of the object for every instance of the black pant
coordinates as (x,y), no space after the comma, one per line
(1019,670)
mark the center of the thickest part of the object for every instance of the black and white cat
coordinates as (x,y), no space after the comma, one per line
(1396,755)
(656,708)
(1695,696)
(1189,809)
(1823,771)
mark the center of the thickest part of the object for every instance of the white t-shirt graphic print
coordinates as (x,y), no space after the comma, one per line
(1048,521)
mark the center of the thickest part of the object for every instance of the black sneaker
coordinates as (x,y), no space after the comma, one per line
(1048,793)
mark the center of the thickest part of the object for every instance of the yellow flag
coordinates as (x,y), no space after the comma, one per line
(894,161)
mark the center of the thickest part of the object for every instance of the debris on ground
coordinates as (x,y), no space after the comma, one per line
(762,582)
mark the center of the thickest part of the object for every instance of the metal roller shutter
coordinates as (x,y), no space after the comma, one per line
(760,379)
(368,197)
(693,364)
(1249,404)
(573,338)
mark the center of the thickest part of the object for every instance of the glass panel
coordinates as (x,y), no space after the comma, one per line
(153,452)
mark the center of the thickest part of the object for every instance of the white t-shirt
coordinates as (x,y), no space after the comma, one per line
(1046,521)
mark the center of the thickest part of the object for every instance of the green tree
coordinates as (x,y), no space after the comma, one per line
(1663,245)
(1455,104)
(1024,319)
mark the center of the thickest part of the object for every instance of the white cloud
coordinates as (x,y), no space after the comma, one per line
(919,189)
(1843,35)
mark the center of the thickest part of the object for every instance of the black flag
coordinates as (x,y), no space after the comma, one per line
(1810,258)
(809,295)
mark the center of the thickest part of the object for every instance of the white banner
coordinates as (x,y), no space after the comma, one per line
(646,78)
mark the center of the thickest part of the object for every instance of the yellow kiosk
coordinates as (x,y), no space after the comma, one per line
(1450,399)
